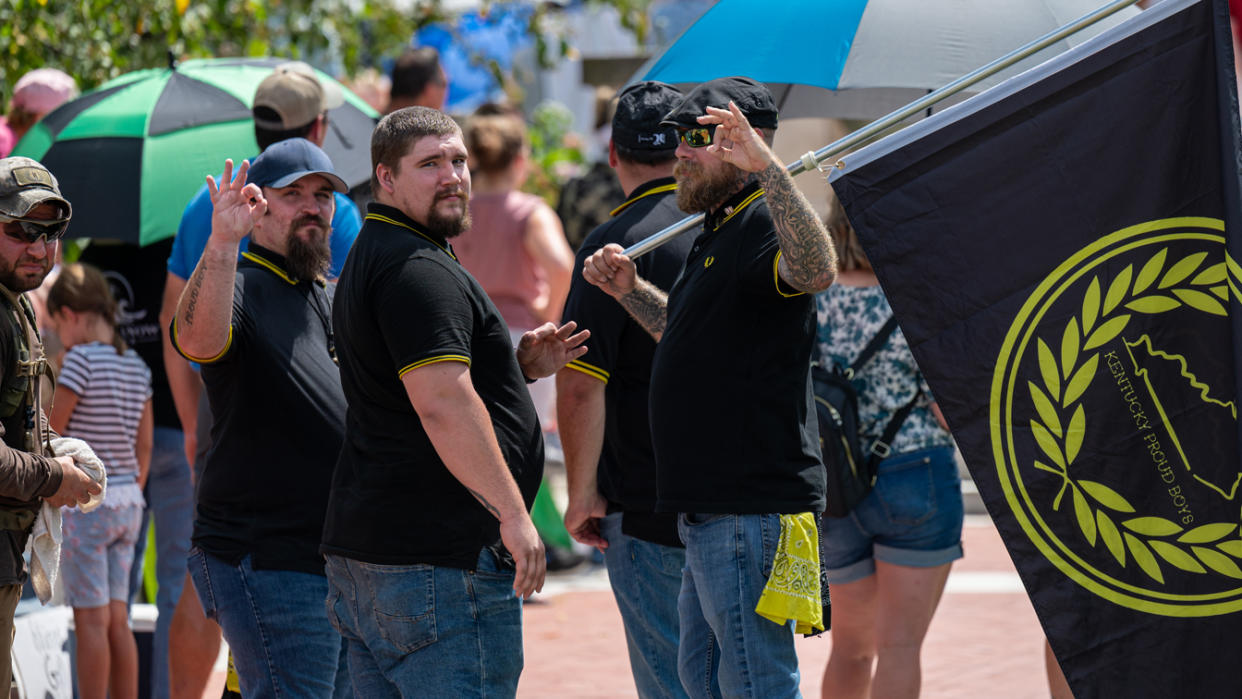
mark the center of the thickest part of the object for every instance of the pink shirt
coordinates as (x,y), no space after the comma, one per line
(494,252)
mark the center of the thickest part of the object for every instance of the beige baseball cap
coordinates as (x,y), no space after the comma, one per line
(24,184)
(292,96)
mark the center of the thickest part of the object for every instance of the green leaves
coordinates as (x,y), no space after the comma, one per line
(1148,540)
(1207,533)
(1106,496)
(1086,521)
(1152,526)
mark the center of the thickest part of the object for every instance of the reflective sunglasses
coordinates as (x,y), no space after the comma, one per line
(698,136)
(29,230)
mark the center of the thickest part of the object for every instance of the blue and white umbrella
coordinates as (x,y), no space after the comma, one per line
(864,58)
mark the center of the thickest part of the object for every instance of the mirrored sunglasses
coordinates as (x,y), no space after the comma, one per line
(698,136)
(29,230)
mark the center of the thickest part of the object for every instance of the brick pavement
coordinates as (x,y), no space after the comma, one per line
(984,640)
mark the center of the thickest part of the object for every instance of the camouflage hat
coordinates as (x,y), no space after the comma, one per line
(24,184)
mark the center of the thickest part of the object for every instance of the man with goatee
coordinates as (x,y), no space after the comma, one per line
(732,419)
(261,329)
(429,542)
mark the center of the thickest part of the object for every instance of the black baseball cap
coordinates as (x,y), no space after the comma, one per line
(288,161)
(640,107)
(751,97)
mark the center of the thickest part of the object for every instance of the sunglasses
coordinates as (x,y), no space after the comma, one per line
(698,136)
(29,230)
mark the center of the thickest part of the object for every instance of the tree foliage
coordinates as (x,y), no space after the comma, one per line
(96,40)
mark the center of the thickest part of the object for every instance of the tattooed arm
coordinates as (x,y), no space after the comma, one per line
(610,270)
(460,429)
(201,327)
(808,260)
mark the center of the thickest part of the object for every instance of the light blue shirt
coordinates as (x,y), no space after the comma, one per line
(195,228)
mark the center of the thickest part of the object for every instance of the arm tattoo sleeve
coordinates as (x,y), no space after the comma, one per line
(808,259)
(649,306)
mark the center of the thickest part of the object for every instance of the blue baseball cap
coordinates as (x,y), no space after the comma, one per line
(290,160)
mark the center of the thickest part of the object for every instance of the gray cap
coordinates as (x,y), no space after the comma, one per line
(24,184)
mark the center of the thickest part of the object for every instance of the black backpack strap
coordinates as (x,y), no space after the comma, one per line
(881,449)
(872,347)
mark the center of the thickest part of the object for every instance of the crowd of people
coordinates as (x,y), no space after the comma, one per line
(339,418)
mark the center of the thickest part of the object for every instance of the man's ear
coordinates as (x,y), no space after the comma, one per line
(383,174)
(613,161)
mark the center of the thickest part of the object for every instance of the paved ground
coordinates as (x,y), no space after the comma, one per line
(983,642)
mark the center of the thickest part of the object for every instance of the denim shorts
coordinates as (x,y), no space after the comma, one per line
(913,517)
(96,554)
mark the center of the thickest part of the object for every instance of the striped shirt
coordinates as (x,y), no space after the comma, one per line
(112,390)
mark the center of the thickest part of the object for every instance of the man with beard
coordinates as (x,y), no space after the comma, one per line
(732,419)
(261,331)
(291,102)
(34,217)
(428,534)
(602,399)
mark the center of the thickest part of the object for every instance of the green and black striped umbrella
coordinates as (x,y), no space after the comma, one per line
(130,154)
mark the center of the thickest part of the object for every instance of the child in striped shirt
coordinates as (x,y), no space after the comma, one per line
(103,396)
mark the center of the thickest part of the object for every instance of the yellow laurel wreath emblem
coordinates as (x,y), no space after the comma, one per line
(1098,509)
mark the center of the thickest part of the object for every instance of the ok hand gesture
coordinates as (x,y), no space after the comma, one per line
(236,205)
(735,140)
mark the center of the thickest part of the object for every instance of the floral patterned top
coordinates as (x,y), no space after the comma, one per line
(847,318)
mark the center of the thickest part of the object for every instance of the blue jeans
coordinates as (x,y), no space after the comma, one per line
(274,622)
(427,631)
(645,579)
(728,561)
(170,501)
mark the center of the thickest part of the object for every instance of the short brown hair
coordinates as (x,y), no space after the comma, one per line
(494,141)
(397,132)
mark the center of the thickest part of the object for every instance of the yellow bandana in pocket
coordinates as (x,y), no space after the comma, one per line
(792,590)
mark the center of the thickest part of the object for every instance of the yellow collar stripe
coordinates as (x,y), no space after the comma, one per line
(263,262)
(649,192)
(738,209)
(384,219)
(588,369)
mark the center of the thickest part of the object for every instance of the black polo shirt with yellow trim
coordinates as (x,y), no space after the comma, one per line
(279,420)
(619,354)
(404,302)
(732,416)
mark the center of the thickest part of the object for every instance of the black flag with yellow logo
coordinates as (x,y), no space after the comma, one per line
(1063,254)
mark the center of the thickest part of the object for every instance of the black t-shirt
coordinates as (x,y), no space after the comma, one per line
(405,302)
(732,416)
(279,419)
(136,276)
(619,354)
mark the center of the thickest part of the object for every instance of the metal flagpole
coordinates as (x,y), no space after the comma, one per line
(812,160)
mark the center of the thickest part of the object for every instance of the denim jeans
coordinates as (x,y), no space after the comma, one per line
(274,622)
(912,518)
(427,631)
(728,561)
(170,501)
(646,579)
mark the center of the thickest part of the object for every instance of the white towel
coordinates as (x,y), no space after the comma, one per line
(44,546)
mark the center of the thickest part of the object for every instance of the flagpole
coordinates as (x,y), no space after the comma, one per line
(812,160)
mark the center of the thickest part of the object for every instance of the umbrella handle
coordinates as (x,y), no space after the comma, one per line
(811,161)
